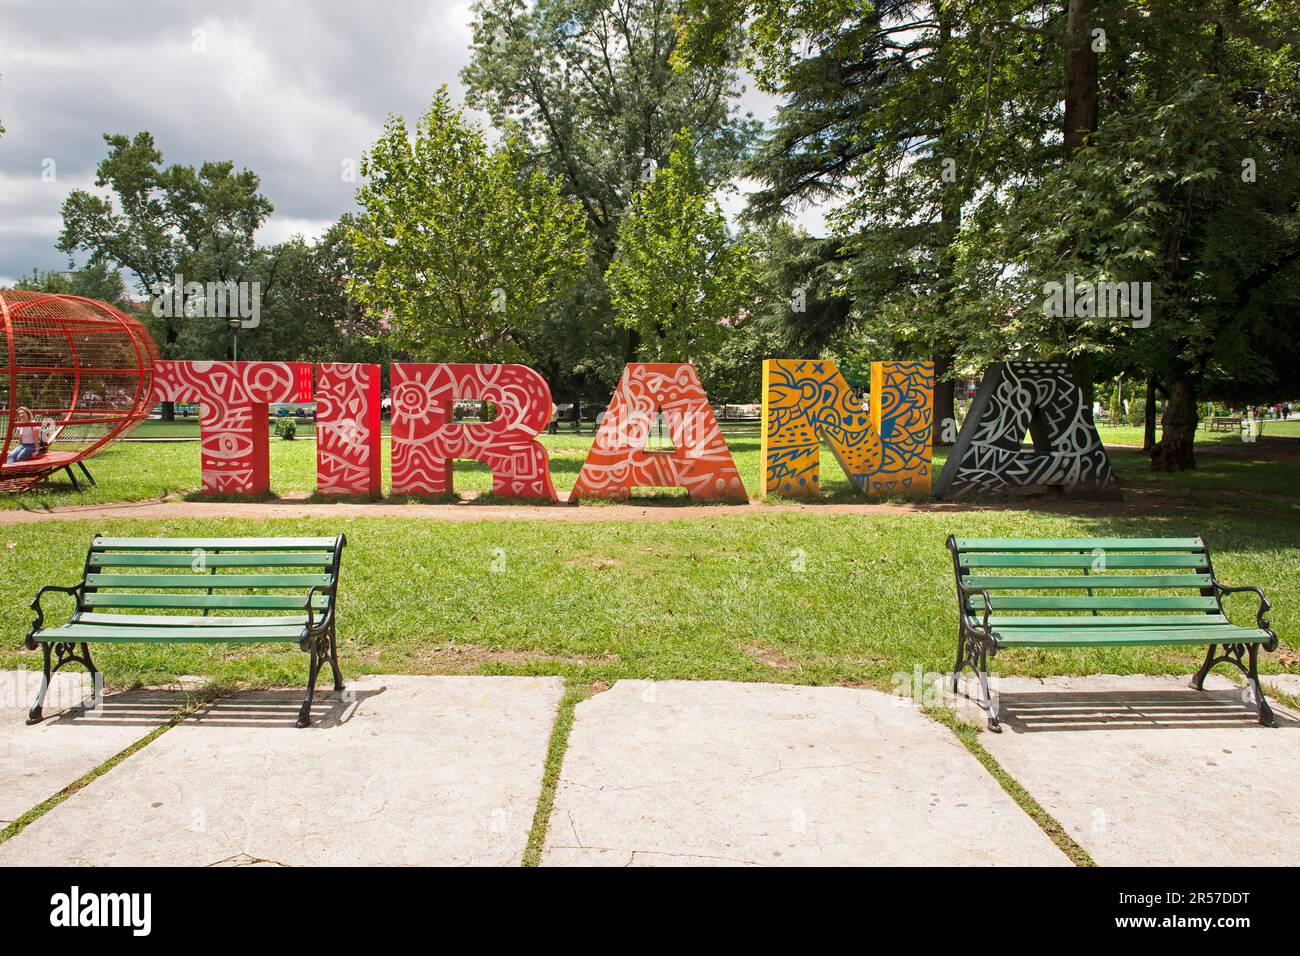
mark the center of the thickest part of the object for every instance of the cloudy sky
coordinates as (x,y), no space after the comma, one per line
(290,89)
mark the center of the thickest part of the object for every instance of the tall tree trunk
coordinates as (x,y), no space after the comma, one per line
(1080,75)
(1084,369)
(945,396)
(1175,451)
(1149,423)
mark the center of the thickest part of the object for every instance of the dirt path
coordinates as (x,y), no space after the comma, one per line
(1136,503)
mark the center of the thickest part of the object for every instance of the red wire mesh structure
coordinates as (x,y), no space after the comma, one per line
(82,370)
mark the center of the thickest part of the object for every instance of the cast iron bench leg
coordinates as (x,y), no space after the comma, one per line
(334,659)
(1265,712)
(989,708)
(1232,655)
(304,715)
(975,654)
(34,715)
(961,654)
(66,655)
(1198,681)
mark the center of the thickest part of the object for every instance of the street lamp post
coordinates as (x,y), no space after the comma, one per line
(234,339)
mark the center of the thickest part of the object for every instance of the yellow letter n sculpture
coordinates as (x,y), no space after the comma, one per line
(884,449)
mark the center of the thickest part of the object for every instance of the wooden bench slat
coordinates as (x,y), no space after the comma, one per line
(208,544)
(1131,637)
(1079,581)
(1080,544)
(176,620)
(1118,621)
(250,602)
(100,634)
(301,581)
(985,559)
(263,559)
(1128,602)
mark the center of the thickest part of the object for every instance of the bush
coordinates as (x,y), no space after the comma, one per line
(286,428)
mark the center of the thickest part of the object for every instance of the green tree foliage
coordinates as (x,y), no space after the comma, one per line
(464,246)
(160,222)
(1097,140)
(678,278)
(96,281)
(592,88)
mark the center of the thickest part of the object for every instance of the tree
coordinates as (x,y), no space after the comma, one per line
(678,278)
(465,247)
(97,281)
(1186,186)
(1091,140)
(593,90)
(163,222)
(885,114)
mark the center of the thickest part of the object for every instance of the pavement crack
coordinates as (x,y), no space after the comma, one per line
(245,859)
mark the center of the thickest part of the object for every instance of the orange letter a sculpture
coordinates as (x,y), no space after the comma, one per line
(699,460)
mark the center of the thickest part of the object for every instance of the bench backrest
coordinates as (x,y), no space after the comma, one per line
(212,574)
(1167,579)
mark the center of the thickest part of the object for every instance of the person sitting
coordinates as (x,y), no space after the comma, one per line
(30,444)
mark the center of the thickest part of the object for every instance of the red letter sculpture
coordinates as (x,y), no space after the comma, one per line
(347,430)
(426,439)
(234,425)
(699,461)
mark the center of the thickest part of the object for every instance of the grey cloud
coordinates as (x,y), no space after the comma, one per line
(288,89)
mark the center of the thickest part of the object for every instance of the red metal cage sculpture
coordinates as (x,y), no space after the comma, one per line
(79,376)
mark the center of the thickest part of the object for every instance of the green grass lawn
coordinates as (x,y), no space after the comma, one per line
(771,595)
(781,596)
(136,471)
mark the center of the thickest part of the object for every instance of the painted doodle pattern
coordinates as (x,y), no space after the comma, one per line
(883,449)
(347,430)
(1016,398)
(425,438)
(699,461)
(234,425)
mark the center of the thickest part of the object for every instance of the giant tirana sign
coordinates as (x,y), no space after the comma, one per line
(883,446)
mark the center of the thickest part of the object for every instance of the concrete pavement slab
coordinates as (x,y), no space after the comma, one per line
(395,771)
(1286,683)
(716,773)
(1144,771)
(37,762)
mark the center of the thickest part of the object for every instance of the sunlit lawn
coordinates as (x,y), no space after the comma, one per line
(776,596)
(135,471)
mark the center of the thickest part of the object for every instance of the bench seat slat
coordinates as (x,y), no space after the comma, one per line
(1080,544)
(263,559)
(1136,637)
(1097,581)
(230,544)
(101,634)
(303,582)
(986,559)
(176,620)
(1002,602)
(265,602)
(1100,620)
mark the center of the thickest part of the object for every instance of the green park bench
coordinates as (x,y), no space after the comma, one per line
(192,586)
(1100,592)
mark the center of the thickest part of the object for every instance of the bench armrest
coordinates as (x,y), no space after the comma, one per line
(39,623)
(1264,605)
(314,626)
(988,607)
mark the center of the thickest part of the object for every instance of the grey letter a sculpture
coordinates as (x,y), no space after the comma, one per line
(1042,399)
